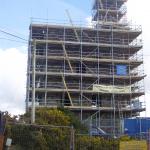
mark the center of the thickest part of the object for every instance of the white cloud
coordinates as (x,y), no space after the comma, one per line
(89,21)
(13,80)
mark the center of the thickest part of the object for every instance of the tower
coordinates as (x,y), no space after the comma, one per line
(95,72)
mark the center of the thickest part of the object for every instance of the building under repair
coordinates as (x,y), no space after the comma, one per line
(96,71)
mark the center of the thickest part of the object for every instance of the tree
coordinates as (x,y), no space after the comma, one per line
(52,131)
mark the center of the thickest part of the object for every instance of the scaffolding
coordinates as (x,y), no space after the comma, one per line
(96,72)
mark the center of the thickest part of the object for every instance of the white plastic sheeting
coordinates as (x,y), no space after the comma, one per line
(111,89)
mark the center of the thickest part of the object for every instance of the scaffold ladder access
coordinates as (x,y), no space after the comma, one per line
(69,96)
(67,57)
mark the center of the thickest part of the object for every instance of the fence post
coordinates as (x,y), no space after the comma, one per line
(1,142)
(72,140)
(1,130)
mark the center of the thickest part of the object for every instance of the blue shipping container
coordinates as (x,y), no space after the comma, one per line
(136,126)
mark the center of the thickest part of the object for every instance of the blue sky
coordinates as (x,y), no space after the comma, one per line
(15,16)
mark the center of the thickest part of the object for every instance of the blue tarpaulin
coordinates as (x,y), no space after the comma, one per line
(121,69)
